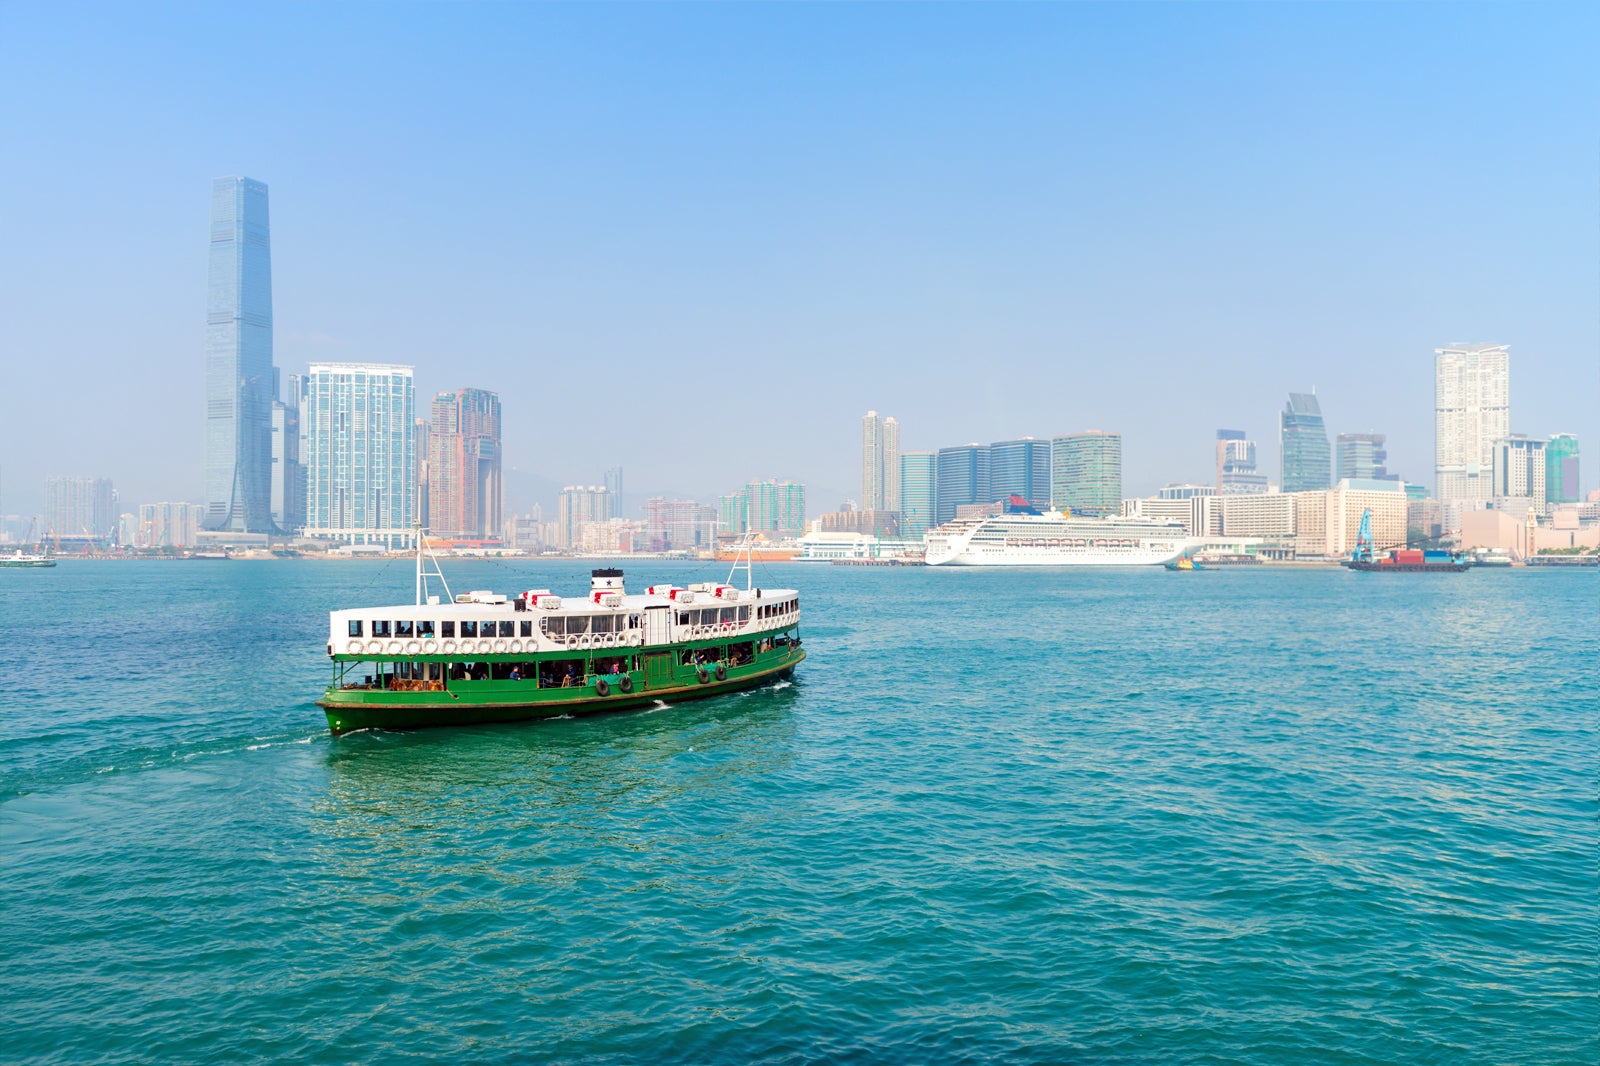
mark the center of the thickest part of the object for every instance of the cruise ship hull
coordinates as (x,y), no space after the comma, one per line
(1052,540)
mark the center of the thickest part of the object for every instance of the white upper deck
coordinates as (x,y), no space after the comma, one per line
(537,621)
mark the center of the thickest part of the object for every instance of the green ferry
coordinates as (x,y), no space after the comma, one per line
(486,657)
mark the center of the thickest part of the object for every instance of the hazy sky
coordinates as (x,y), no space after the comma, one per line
(701,241)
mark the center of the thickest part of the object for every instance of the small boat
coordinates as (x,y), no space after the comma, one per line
(1185,562)
(20,559)
(482,656)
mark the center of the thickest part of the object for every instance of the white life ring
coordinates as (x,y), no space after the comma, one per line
(499,647)
(516,647)
(484,646)
(374,646)
(611,640)
(583,641)
(354,647)
(394,647)
(429,647)
(449,647)
(634,640)
(413,647)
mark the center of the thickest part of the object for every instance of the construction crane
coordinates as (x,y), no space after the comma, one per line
(1363,549)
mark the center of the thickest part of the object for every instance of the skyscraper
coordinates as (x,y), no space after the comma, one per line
(1086,473)
(241,382)
(464,476)
(1306,458)
(961,478)
(777,508)
(1561,469)
(1471,410)
(918,492)
(359,424)
(1020,468)
(288,473)
(1363,455)
(579,507)
(80,507)
(1237,474)
(880,463)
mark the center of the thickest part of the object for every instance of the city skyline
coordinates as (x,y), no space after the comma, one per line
(853,227)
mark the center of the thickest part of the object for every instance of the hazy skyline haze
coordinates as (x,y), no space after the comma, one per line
(987,221)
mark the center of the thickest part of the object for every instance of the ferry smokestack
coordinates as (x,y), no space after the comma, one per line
(605,581)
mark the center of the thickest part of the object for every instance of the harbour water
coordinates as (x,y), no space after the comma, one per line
(999,815)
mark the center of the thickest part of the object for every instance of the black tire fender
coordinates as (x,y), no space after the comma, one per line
(602,687)
(702,674)
(722,672)
(625,685)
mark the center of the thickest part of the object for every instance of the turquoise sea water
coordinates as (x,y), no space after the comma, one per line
(1021,816)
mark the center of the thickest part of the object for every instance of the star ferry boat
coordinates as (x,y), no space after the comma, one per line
(1028,538)
(486,657)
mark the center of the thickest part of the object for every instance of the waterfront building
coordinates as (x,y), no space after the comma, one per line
(1561,469)
(776,508)
(868,523)
(525,532)
(241,382)
(1020,468)
(1327,520)
(1363,456)
(1306,459)
(1086,473)
(961,478)
(679,525)
(1237,473)
(1195,512)
(288,481)
(578,507)
(1257,514)
(1184,492)
(82,508)
(1472,410)
(919,497)
(359,424)
(168,525)
(1517,468)
(880,463)
(465,485)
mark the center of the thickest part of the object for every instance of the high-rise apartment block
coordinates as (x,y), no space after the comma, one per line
(1517,467)
(1020,468)
(465,488)
(579,507)
(778,508)
(1561,469)
(1307,461)
(1086,473)
(1472,410)
(919,498)
(241,382)
(1237,474)
(1363,456)
(880,463)
(80,507)
(679,525)
(168,525)
(359,426)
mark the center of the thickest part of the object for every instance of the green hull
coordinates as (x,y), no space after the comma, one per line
(475,702)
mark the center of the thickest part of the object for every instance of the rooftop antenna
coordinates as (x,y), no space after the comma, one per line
(424,573)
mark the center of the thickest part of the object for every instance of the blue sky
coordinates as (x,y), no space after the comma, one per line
(701,240)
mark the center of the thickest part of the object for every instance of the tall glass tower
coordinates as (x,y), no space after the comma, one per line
(1561,469)
(359,422)
(918,492)
(241,382)
(1307,460)
(1086,473)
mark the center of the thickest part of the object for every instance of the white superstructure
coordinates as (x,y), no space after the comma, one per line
(1054,539)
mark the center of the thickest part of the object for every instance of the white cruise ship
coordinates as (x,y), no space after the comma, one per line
(1054,539)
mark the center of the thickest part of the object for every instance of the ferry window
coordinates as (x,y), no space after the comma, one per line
(469,629)
(447,629)
(355,627)
(424,629)
(555,627)
(744,614)
(527,628)
(633,621)
(683,618)
(380,628)
(602,623)
(508,629)
(402,628)
(577,625)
